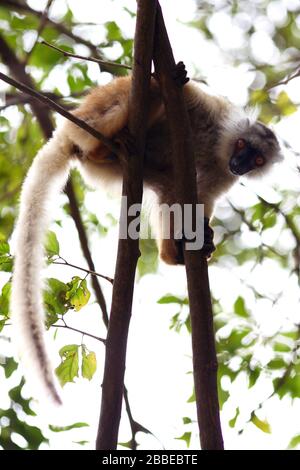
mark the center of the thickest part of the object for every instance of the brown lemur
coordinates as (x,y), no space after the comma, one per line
(227,142)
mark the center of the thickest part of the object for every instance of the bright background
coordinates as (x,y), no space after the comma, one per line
(159,360)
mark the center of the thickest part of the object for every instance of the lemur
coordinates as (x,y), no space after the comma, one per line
(227,142)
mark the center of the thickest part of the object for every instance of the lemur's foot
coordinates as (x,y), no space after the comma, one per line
(208,245)
(179,74)
(172,251)
(126,142)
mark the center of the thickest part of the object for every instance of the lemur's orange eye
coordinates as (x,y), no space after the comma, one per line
(240,144)
(259,160)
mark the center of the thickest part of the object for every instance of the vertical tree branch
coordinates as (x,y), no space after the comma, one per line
(76,216)
(204,353)
(128,249)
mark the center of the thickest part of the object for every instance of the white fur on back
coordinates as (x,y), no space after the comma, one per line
(45,179)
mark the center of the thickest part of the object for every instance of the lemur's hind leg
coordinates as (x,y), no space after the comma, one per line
(171,250)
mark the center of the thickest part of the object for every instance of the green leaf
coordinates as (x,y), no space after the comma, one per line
(78,294)
(113,32)
(253,376)
(232,421)
(285,105)
(69,367)
(277,363)
(78,79)
(5,299)
(294,335)
(264,426)
(55,299)
(52,245)
(270,220)
(68,350)
(188,324)
(89,364)
(171,299)
(10,366)
(223,396)
(67,428)
(128,444)
(235,339)
(186,420)
(192,398)
(6,263)
(290,386)
(131,13)
(240,308)
(294,442)
(281,347)
(4,248)
(258,97)
(31,434)
(185,437)
(15,395)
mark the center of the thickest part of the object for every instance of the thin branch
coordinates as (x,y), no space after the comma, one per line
(59,109)
(76,216)
(25,8)
(203,342)
(88,271)
(84,333)
(288,79)
(128,249)
(288,219)
(40,29)
(15,99)
(88,59)
(135,426)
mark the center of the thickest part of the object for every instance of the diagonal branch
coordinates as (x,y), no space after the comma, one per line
(59,109)
(64,262)
(128,249)
(85,58)
(43,22)
(203,344)
(76,216)
(13,99)
(84,333)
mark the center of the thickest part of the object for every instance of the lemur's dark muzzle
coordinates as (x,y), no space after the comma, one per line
(242,161)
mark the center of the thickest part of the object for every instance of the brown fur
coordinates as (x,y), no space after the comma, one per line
(216,124)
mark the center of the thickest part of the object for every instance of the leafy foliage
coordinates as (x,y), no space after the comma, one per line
(68,369)
(239,332)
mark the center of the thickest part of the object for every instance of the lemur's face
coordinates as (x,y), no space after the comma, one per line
(254,150)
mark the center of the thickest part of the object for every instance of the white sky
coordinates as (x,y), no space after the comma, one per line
(158,359)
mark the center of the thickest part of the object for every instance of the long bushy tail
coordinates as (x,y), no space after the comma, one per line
(45,179)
